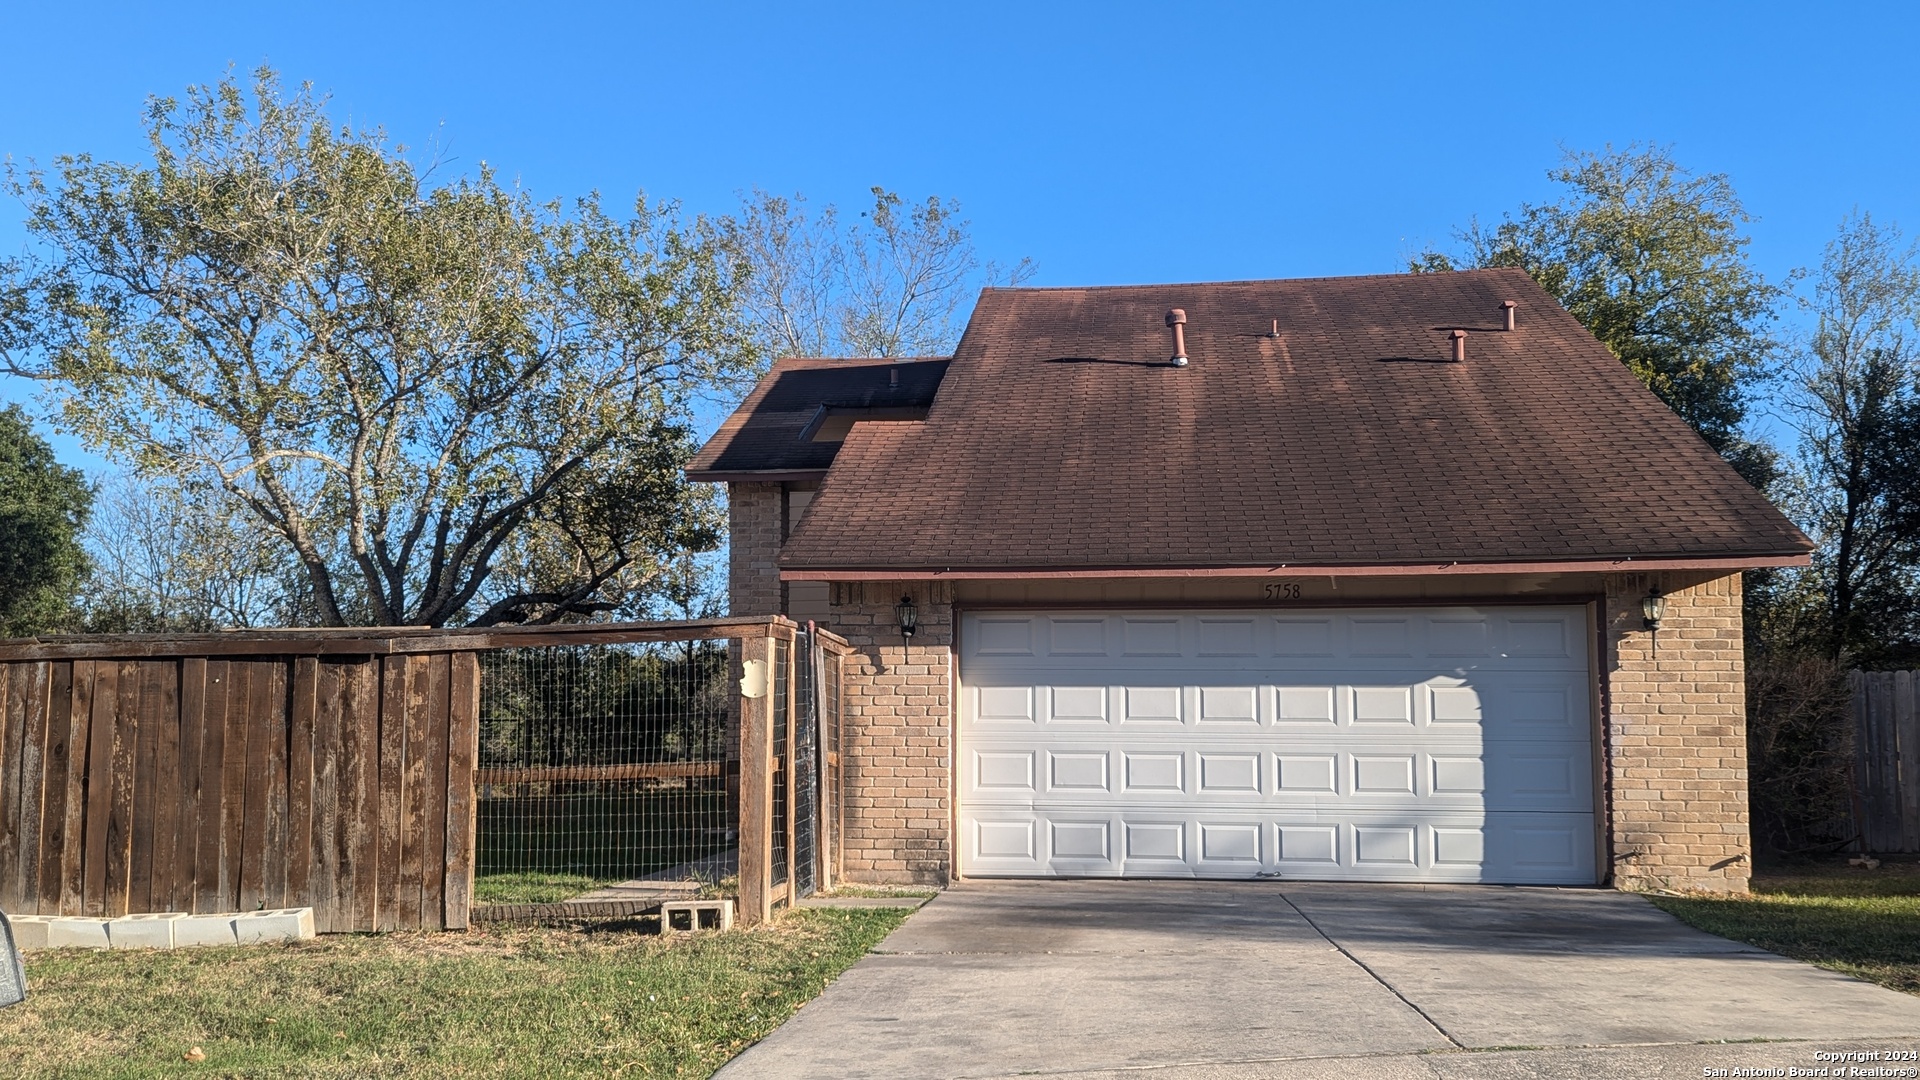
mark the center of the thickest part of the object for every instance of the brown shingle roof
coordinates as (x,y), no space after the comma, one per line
(1060,439)
(766,434)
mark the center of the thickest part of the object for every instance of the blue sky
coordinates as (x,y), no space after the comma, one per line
(1112,142)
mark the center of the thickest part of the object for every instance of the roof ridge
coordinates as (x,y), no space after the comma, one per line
(1248,281)
(859,359)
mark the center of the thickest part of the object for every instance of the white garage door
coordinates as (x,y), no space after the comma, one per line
(1420,744)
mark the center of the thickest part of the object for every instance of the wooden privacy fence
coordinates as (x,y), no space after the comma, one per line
(1886,756)
(230,772)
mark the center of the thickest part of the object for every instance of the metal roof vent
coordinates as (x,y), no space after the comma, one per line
(1507,308)
(1275,332)
(1459,345)
(1177,319)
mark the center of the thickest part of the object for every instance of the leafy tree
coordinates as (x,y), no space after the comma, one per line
(43,508)
(1651,259)
(890,284)
(406,384)
(1856,406)
(1799,751)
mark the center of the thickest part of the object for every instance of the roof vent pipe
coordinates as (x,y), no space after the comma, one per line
(1177,319)
(1275,332)
(1507,308)
(1459,345)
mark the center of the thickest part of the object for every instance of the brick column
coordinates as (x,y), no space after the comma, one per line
(753,549)
(1676,735)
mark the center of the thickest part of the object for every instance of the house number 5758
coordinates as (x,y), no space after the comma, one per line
(1283,590)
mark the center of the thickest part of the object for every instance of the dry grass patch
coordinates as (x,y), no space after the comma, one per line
(517,1002)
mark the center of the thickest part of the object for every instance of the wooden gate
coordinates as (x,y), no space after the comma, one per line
(1886,754)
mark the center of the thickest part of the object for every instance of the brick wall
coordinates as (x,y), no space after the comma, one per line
(1676,747)
(1674,744)
(754,535)
(896,735)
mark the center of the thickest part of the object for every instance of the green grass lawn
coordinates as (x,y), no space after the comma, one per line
(533,888)
(607,836)
(1865,923)
(495,1003)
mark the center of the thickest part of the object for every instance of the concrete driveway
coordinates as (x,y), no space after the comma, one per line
(1163,980)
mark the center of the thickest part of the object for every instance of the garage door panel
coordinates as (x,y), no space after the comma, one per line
(1305,846)
(1155,844)
(1080,841)
(1075,637)
(1528,776)
(1152,637)
(1002,704)
(1493,848)
(1230,848)
(1226,638)
(1531,638)
(1077,705)
(1526,705)
(1311,705)
(1229,705)
(1152,705)
(1443,744)
(1153,774)
(1228,773)
(1077,772)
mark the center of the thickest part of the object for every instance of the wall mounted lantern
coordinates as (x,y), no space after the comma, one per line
(1653,608)
(909,617)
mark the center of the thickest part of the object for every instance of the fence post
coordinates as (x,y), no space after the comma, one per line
(756,779)
(1862,783)
(1908,749)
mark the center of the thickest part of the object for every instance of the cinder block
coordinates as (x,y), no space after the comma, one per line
(282,924)
(197,930)
(153,931)
(688,916)
(29,931)
(76,933)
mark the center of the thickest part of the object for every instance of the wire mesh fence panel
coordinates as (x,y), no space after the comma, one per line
(806,765)
(782,846)
(601,764)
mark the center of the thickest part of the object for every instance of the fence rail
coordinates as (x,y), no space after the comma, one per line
(1886,714)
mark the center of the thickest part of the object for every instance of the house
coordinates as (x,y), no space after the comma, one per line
(1334,578)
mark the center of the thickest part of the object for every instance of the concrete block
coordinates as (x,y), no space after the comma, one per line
(688,916)
(29,931)
(153,931)
(197,930)
(76,933)
(283,924)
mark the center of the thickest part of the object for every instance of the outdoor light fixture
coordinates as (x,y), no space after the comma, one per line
(909,616)
(1653,608)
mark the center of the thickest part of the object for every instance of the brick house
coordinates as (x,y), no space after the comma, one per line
(1356,588)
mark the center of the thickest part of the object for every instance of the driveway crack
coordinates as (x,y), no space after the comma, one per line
(1362,965)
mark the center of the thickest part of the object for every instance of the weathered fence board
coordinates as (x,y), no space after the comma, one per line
(1886,711)
(463,755)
